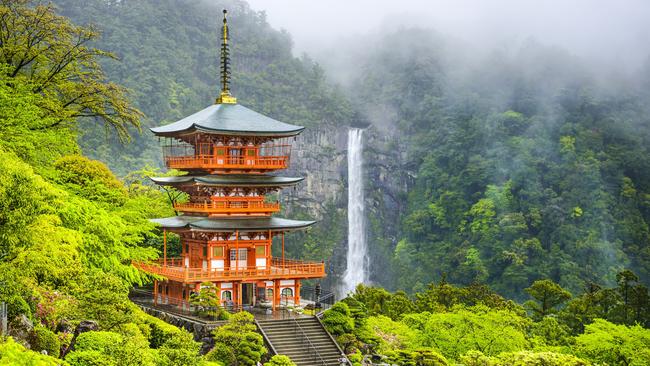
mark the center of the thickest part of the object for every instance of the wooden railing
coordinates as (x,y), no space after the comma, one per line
(279,269)
(228,162)
(230,207)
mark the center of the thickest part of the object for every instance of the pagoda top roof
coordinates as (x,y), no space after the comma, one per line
(228,119)
(201,223)
(261,180)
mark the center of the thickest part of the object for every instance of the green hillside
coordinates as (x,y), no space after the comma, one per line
(524,164)
(518,237)
(169,58)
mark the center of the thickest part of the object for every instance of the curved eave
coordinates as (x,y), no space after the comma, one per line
(195,128)
(199,223)
(229,180)
(228,119)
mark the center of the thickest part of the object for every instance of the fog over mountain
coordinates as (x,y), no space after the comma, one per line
(606,33)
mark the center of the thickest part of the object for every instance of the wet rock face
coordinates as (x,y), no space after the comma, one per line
(64,326)
(86,326)
(20,329)
(320,155)
(207,343)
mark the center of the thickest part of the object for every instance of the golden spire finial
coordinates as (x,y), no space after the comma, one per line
(225,97)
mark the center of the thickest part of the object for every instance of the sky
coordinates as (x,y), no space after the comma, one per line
(608,32)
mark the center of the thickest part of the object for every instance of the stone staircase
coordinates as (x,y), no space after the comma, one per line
(304,340)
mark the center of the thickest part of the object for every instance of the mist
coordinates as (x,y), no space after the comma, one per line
(610,35)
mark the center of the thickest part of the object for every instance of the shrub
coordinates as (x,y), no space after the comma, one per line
(425,357)
(222,353)
(280,360)
(90,358)
(159,331)
(104,342)
(240,337)
(180,349)
(337,320)
(12,353)
(43,339)
(521,358)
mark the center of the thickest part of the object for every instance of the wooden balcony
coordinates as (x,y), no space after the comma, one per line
(231,206)
(279,269)
(225,163)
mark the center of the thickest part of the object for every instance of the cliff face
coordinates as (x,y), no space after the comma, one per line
(320,155)
(386,182)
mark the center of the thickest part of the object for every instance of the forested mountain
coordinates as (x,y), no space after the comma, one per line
(169,60)
(524,164)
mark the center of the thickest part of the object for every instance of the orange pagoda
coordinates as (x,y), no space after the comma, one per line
(227,228)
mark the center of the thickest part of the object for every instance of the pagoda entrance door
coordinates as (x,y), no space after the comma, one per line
(242,261)
(247,291)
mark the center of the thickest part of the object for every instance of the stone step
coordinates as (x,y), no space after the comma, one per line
(288,339)
(292,335)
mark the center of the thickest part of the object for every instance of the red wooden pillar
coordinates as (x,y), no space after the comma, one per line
(155,292)
(164,248)
(296,293)
(276,294)
(236,249)
(239,295)
(283,251)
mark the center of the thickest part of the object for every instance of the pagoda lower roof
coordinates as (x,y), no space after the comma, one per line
(228,119)
(202,223)
(227,180)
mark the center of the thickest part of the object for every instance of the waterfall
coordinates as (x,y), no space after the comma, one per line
(357,271)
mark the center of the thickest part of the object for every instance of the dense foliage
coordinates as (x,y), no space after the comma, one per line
(520,164)
(238,343)
(68,227)
(472,325)
(172,68)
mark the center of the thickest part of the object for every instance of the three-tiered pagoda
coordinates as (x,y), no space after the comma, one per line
(227,228)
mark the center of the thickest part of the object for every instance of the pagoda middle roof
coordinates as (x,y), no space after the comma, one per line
(261,180)
(228,119)
(202,223)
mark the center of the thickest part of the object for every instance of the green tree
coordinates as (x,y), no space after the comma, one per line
(22,119)
(374,298)
(54,54)
(547,296)
(607,343)
(104,298)
(475,328)
(626,281)
(399,303)
(522,358)
(90,179)
(206,301)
